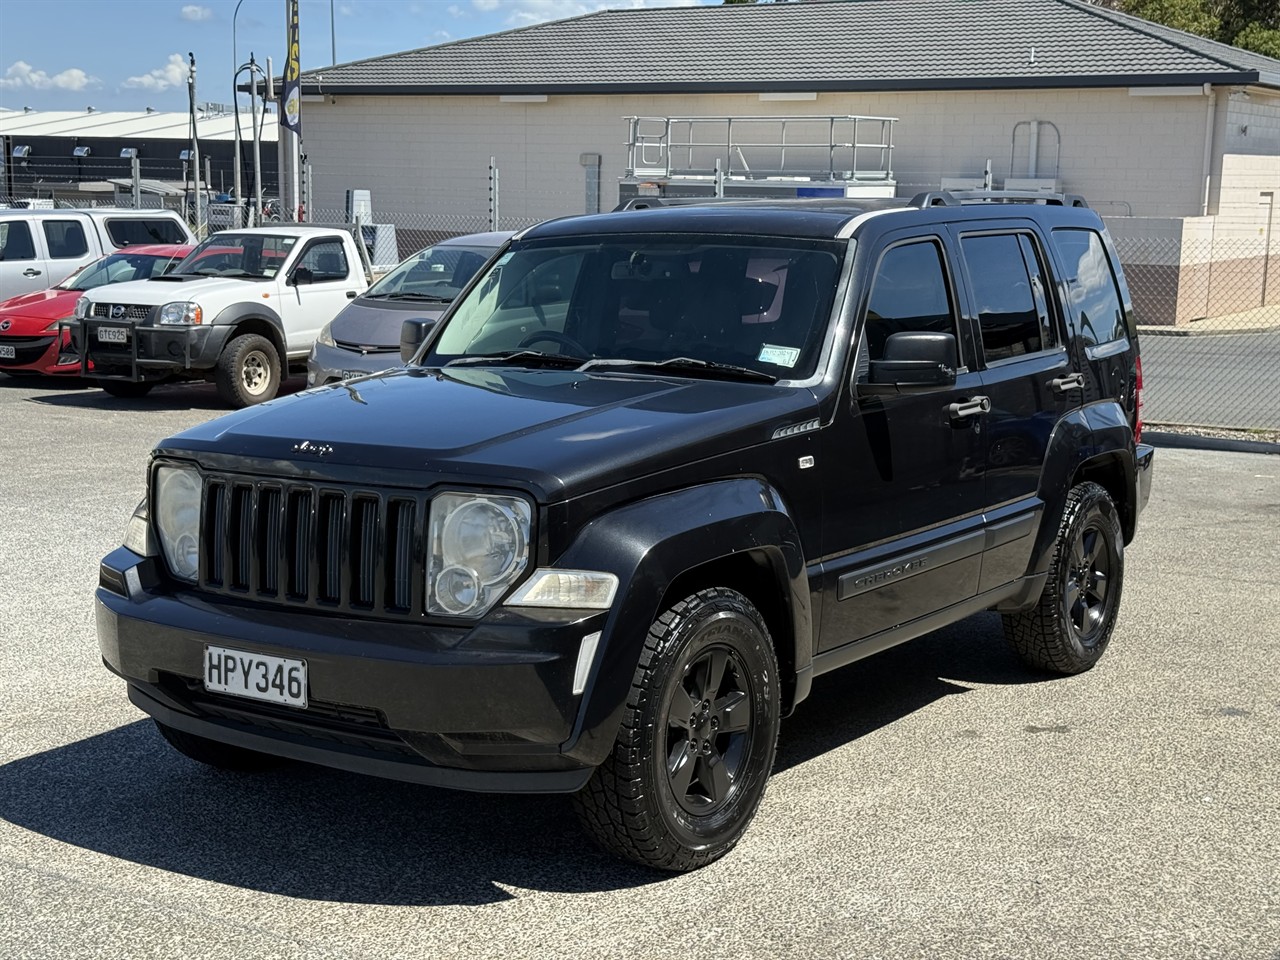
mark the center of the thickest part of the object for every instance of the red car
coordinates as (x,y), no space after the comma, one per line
(29,321)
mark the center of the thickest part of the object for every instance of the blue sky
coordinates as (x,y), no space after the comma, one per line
(131,54)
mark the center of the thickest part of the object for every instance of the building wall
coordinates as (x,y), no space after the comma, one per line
(429,155)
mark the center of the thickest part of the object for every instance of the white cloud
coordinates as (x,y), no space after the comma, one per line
(22,74)
(172,74)
(455,10)
(346,9)
(193,12)
(441,36)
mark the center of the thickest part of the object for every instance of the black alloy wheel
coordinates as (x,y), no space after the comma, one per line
(708,731)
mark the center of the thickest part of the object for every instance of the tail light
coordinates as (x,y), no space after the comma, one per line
(1137,407)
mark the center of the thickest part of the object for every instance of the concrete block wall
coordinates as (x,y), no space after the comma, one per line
(429,155)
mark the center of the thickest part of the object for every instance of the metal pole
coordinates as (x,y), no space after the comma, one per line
(257,152)
(237,186)
(135,170)
(333,37)
(195,148)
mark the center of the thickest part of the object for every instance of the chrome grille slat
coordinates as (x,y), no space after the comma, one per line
(326,546)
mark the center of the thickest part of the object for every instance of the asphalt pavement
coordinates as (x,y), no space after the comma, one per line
(1220,380)
(937,801)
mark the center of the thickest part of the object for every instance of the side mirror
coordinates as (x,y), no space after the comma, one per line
(301,276)
(413,333)
(914,362)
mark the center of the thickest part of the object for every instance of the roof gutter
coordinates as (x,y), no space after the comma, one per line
(326,85)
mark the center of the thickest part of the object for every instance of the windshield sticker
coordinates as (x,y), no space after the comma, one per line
(269,271)
(779,356)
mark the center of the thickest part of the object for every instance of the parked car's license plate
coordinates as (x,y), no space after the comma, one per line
(113,334)
(256,676)
(352,374)
(7,352)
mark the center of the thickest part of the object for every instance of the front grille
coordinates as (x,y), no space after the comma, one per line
(366,347)
(132,311)
(353,550)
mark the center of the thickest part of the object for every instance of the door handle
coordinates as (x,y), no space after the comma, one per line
(1072,381)
(351,294)
(31,272)
(969,408)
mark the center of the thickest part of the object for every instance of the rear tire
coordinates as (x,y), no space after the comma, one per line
(697,741)
(1068,630)
(126,389)
(248,371)
(212,753)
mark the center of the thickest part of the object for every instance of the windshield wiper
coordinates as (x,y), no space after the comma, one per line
(412,295)
(523,357)
(684,364)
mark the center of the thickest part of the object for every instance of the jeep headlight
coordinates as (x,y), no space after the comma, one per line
(183,311)
(82,308)
(177,503)
(326,335)
(479,546)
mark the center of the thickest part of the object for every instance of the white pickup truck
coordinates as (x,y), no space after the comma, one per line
(237,311)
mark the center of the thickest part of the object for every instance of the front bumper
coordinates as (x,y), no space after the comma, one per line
(328,364)
(487,707)
(145,352)
(40,354)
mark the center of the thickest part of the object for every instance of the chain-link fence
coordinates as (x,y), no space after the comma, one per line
(1208,310)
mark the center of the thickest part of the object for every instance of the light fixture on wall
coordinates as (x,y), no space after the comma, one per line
(21,151)
(129,153)
(81,151)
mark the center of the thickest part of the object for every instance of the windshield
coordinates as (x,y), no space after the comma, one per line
(119,268)
(250,256)
(436,273)
(756,304)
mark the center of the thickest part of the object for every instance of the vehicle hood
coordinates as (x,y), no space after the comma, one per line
(30,313)
(376,323)
(168,289)
(559,433)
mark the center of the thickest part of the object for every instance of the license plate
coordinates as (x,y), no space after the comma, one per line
(352,374)
(113,334)
(255,676)
(7,352)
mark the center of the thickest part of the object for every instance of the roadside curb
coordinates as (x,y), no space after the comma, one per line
(1186,441)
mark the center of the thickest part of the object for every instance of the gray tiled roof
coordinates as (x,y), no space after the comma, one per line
(833,45)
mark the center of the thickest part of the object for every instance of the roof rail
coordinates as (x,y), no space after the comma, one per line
(955,198)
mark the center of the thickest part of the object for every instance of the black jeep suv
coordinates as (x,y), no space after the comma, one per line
(653,472)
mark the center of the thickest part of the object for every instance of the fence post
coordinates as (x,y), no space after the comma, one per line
(135,171)
(493,193)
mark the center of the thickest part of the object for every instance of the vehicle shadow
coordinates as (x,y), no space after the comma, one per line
(319,834)
(852,702)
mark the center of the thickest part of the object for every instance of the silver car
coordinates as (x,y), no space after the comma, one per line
(365,337)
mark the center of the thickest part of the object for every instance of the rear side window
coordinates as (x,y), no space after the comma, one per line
(1095,299)
(909,293)
(66,239)
(15,241)
(1008,287)
(144,230)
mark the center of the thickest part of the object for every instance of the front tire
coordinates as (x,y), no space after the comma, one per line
(212,753)
(1068,630)
(248,371)
(697,741)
